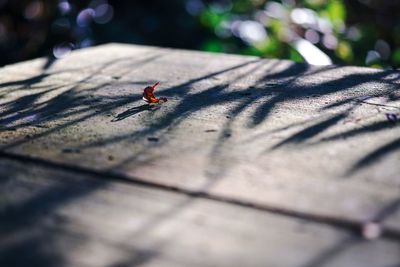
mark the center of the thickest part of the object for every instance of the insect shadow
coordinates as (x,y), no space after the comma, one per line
(132,111)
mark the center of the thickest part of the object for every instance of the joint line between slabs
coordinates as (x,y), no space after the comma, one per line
(351,226)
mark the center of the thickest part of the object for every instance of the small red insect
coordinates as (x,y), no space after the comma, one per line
(149,97)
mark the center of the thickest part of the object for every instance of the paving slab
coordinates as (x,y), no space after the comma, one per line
(285,136)
(55,217)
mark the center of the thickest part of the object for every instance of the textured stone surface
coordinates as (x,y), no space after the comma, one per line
(280,135)
(53,217)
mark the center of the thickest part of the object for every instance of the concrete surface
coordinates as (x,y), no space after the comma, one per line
(299,141)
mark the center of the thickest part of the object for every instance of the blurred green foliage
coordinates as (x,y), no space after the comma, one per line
(362,33)
(350,32)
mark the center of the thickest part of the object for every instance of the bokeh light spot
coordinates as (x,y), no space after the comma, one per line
(303,16)
(330,41)
(194,7)
(372,57)
(64,7)
(103,14)
(252,31)
(34,10)
(312,36)
(85,17)
(62,50)
(312,54)
(276,10)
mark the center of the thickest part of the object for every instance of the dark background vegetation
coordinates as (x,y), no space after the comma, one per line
(351,32)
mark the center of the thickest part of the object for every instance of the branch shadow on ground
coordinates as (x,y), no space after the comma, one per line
(266,92)
(44,204)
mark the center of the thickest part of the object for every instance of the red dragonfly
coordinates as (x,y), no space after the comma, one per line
(149,97)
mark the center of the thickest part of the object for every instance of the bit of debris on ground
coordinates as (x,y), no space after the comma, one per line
(152,139)
(392,117)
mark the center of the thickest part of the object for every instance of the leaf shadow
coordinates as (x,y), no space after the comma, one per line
(70,102)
